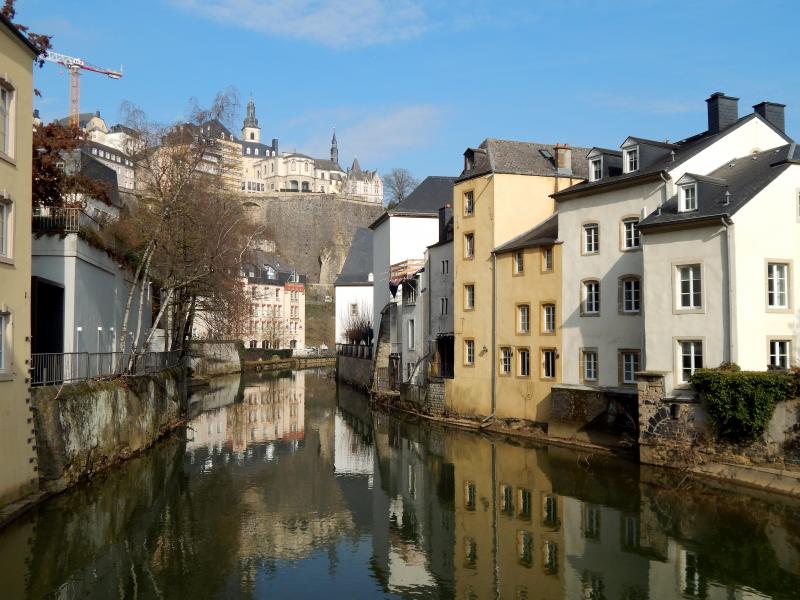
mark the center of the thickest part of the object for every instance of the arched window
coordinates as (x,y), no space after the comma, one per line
(305,187)
(293,186)
(293,166)
(322,189)
(252,135)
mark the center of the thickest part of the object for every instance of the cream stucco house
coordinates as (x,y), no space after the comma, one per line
(605,286)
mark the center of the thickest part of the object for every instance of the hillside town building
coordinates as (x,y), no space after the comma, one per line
(353,295)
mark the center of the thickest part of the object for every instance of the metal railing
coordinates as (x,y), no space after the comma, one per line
(53,368)
(355,350)
(67,220)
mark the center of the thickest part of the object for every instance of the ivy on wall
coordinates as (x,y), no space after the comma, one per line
(741,403)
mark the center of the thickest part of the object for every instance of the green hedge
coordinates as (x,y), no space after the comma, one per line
(741,403)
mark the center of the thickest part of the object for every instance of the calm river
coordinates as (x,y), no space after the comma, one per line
(282,487)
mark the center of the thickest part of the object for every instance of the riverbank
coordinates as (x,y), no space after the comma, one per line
(289,364)
(761,477)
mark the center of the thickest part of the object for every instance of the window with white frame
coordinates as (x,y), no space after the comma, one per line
(632,159)
(690,295)
(6,97)
(469,245)
(629,360)
(778,285)
(524,360)
(547,259)
(411,336)
(469,352)
(548,318)
(631,295)
(469,296)
(469,203)
(523,318)
(688,198)
(596,169)
(589,364)
(409,292)
(5,319)
(691,358)
(549,363)
(780,353)
(591,297)
(519,262)
(591,238)
(444,305)
(630,233)
(5,229)
(505,361)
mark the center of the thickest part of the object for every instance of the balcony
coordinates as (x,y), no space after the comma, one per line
(405,269)
(62,220)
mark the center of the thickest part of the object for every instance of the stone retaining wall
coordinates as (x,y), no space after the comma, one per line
(84,427)
(211,358)
(598,416)
(354,371)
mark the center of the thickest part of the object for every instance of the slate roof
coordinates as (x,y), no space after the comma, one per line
(258,259)
(93,169)
(683,149)
(429,196)
(358,264)
(743,178)
(326,165)
(544,234)
(521,158)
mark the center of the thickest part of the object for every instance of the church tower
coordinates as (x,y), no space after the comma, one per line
(251,132)
(334,149)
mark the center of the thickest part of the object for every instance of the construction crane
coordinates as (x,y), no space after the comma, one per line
(74,66)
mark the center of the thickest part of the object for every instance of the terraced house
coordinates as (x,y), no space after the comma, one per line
(607,291)
(504,190)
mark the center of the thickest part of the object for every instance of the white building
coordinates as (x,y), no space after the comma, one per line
(353,286)
(603,324)
(726,249)
(401,237)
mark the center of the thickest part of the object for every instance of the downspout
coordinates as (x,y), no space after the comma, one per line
(729,263)
(490,418)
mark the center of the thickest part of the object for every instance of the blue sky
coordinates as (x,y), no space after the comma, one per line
(412,83)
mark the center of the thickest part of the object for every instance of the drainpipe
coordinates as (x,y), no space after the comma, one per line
(729,263)
(494,339)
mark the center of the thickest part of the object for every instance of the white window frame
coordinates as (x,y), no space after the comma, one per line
(780,353)
(7,142)
(469,203)
(469,245)
(591,238)
(524,362)
(689,349)
(630,365)
(631,295)
(549,367)
(589,367)
(469,296)
(631,239)
(506,359)
(688,198)
(774,294)
(5,320)
(519,262)
(695,287)
(523,318)
(594,307)
(547,260)
(595,165)
(548,317)
(631,158)
(469,352)
(5,229)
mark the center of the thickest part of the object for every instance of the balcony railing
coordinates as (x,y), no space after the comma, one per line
(66,220)
(355,350)
(402,270)
(53,368)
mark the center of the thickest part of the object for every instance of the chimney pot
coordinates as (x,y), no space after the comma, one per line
(563,159)
(772,112)
(723,111)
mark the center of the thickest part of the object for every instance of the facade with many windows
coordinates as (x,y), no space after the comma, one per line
(18,475)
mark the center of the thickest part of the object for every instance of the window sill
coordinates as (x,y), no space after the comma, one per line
(5,376)
(688,311)
(634,249)
(6,260)
(779,311)
(585,314)
(590,253)
(547,333)
(630,313)
(6,158)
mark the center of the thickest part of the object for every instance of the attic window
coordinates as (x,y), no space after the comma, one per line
(688,198)
(547,154)
(632,159)
(468,162)
(596,169)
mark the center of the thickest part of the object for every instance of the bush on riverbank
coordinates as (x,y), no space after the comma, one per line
(741,403)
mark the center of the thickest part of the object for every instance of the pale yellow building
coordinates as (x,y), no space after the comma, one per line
(503,192)
(528,322)
(17,454)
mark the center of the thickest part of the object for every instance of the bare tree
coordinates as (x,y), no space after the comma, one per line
(397,185)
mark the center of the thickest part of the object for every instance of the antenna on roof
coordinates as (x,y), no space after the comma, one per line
(672,155)
(727,200)
(658,211)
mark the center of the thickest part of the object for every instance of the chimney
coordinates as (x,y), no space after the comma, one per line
(772,112)
(723,111)
(275,145)
(563,159)
(445,214)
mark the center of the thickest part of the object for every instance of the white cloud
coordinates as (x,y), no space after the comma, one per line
(337,23)
(374,137)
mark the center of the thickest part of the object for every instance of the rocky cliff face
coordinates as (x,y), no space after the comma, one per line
(312,232)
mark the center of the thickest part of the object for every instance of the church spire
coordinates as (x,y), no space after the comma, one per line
(334,149)
(250,120)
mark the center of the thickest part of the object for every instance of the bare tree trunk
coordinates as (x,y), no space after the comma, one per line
(124,330)
(145,275)
(160,314)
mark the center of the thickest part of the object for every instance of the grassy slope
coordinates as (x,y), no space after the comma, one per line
(320,324)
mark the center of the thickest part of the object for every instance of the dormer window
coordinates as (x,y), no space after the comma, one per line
(688,198)
(596,169)
(632,159)
(468,162)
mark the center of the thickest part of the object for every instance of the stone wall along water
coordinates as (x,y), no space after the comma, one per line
(84,427)
(354,371)
(214,358)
